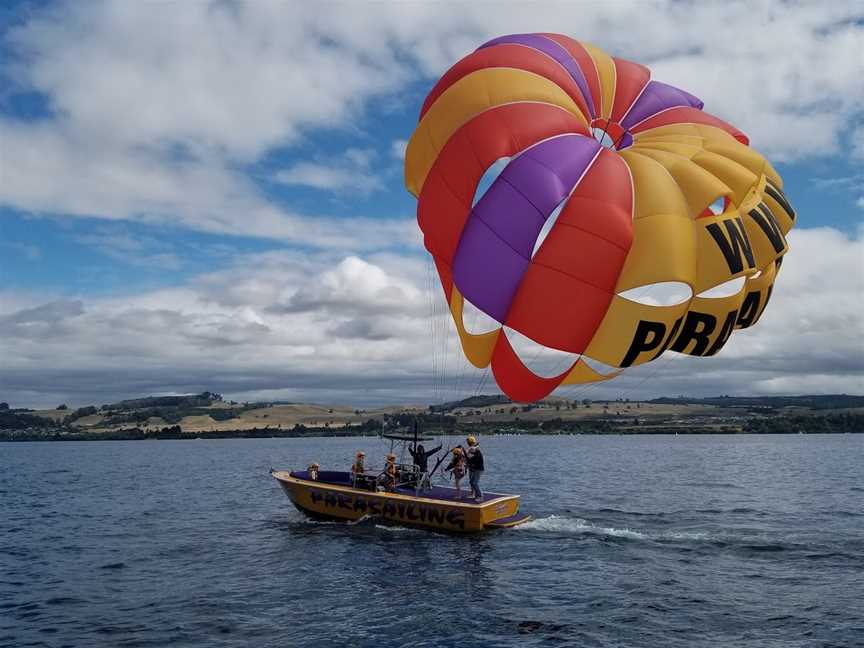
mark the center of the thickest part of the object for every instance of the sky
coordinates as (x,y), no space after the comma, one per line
(209,195)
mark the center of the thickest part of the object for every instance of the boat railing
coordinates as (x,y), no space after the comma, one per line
(409,475)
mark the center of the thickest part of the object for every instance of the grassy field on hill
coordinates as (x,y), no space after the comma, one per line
(208,413)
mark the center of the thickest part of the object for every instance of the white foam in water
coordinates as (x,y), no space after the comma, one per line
(394,529)
(577,526)
(685,535)
(558,524)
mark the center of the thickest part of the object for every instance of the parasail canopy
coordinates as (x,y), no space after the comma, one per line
(614,184)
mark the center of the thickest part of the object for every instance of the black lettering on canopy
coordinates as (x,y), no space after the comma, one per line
(669,338)
(735,245)
(697,327)
(749,309)
(647,337)
(725,332)
(780,198)
(768,223)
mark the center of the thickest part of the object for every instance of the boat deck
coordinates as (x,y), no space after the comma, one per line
(441,493)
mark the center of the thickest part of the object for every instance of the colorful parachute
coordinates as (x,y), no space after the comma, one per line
(572,225)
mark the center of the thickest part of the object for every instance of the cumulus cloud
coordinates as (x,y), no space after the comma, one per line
(161,120)
(49,171)
(317,327)
(356,286)
(154,119)
(227,329)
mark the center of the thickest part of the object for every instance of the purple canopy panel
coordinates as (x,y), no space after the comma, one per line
(510,215)
(548,171)
(625,141)
(553,50)
(655,97)
(496,244)
(486,270)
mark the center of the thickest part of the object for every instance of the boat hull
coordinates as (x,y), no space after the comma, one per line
(323,500)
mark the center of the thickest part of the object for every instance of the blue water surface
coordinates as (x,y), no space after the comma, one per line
(637,541)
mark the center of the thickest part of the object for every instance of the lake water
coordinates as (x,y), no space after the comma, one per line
(637,541)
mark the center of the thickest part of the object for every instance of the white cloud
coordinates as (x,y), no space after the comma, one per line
(55,172)
(856,139)
(306,322)
(153,119)
(157,120)
(352,171)
(140,251)
(235,78)
(324,327)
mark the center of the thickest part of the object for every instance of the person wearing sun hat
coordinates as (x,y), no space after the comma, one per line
(387,478)
(358,468)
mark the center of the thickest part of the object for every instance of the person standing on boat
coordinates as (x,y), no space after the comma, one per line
(475,467)
(313,471)
(457,465)
(421,457)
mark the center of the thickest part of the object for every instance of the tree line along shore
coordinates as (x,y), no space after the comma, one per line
(208,415)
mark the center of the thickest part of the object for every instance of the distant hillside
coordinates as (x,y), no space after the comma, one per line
(471,402)
(194,400)
(208,414)
(831,401)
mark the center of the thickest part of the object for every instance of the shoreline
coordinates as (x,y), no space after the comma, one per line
(288,434)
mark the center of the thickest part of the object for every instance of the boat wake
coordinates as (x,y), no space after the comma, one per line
(579,526)
(395,529)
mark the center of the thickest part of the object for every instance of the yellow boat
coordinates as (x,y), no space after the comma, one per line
(332,497)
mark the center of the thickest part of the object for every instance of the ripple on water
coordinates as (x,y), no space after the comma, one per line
(648,542)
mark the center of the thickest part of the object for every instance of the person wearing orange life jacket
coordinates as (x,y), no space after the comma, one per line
(358,468)
(388,476)
(457,466)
